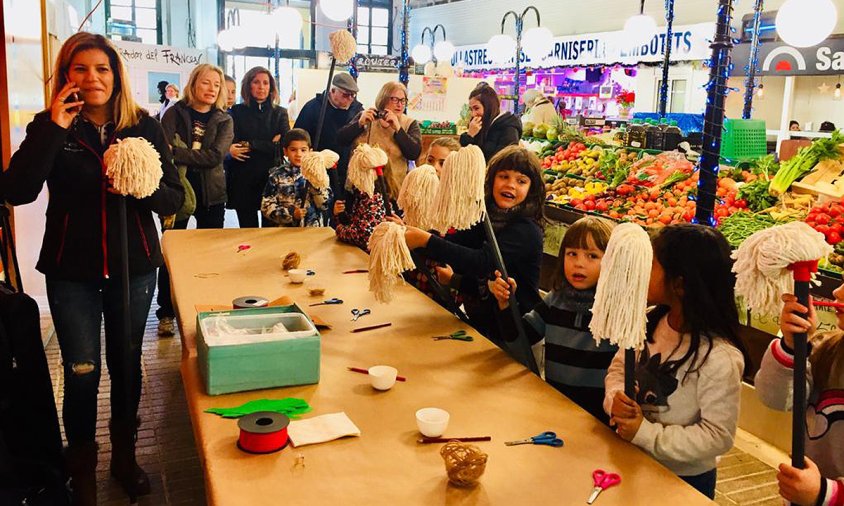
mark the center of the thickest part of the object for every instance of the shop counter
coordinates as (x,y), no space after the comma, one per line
(486,393)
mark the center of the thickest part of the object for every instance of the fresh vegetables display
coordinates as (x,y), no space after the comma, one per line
(739,226)
(828,219)
(806,160)
(654,170)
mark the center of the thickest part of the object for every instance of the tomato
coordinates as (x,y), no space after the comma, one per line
(576,202)
(589,204)
(824,229)
(836,210)
(601,206)
(833,238)
(721,212)
(741,203)
(822,219)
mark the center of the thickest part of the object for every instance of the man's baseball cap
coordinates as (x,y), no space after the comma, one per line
(346,81)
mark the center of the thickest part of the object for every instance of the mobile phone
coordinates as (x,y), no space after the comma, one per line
(73,97)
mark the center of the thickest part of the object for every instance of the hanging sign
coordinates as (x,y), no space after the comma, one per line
(377,63)
(689,42)
(780,59)
(433,95)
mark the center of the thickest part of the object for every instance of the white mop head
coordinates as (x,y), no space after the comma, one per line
(314,165)
(460,199)
(343,45)
(134,167)
(389,256)
(762,261)
(418,195)
(621,299)
(361,174)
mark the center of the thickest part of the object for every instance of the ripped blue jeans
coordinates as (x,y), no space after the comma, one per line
(78,309)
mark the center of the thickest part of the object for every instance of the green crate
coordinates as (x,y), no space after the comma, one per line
(744,139)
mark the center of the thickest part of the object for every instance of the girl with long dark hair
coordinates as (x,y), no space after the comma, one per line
(689,372)
(490,129)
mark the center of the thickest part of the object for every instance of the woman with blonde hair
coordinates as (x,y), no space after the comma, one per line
(91,108)
(171,96)
(259,125)
(200,133)
(387,127)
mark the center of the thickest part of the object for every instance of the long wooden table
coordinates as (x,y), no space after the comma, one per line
(486,393)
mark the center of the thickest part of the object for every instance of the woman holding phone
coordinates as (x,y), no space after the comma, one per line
(91,108)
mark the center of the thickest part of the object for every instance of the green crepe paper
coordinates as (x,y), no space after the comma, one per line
(290,406)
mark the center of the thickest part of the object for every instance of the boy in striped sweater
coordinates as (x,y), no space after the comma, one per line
(574,364)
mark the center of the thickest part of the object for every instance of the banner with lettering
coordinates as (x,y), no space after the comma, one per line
(780,59)
(152,67)
(690,42)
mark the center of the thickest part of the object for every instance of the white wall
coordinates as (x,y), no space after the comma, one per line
(809,104)
(695,74)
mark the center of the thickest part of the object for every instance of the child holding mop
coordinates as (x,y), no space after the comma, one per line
(689,371)
(514,198)
(573,365)
(821,482)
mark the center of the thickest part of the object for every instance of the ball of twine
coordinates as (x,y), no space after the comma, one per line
(291,261)
(464,463)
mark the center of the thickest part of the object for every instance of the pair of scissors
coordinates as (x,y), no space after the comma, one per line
(460,335)
(357,313)
(546,438)
(333,300)
(603,480)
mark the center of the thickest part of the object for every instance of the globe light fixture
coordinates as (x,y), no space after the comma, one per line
(443,50)
(421,54)
(806,23)
(639,29)
(337,10)
(501,48)
(286,22)
(537,43)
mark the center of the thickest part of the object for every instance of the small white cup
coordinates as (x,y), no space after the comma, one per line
(297,275)
(432,422)
(382,377)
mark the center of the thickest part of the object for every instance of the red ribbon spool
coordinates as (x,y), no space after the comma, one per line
(263,432)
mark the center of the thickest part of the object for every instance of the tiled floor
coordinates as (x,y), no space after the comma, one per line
(165,448)
(167,452)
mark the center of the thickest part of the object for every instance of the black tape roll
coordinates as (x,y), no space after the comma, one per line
(249,302)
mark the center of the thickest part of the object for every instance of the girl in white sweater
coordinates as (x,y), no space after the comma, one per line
(688,374)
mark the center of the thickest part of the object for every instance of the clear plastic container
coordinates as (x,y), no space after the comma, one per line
(225,329)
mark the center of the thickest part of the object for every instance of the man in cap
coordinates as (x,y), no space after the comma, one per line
(342,107)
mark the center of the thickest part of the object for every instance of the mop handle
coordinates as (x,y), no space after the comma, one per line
(802,276)
(321,118)
(630,373)
(381,187)
(521,340)
(127,323)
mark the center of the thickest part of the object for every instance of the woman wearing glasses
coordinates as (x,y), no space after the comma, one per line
(387,127)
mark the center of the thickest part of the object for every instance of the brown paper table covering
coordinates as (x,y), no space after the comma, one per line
(486,393)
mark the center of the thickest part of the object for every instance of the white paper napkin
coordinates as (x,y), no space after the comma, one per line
(321,429)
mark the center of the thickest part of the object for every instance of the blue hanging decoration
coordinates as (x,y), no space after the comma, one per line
(753,61)
(713,120)
(404,66)
(669,42)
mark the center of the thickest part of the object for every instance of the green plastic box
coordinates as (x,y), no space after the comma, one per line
(287,353)
(744,139)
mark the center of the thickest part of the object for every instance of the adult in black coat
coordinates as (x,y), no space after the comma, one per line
(259,125)
(91,108)
(490,129)
(342,107)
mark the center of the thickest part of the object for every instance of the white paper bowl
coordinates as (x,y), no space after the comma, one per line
(382,377)
(297,275)
(432,422)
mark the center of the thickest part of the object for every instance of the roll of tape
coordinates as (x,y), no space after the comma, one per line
(263,432)
(249,301)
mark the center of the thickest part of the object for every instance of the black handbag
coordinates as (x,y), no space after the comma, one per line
(31,465)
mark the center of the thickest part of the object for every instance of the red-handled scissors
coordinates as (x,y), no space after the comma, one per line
(603,480)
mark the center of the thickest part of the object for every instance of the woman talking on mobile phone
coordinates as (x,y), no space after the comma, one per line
(80,254)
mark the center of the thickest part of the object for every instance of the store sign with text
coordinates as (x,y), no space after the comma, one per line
(688,43)
(159,57)
(376,63)
(780,59)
